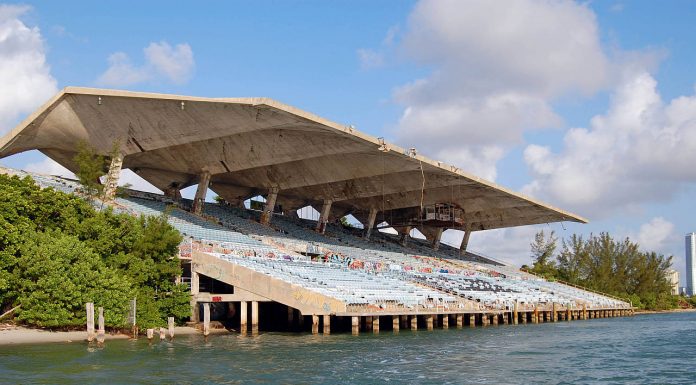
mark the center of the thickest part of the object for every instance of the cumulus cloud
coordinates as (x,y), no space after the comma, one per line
(510,245)
(495,71)
(162,62)
(641,150)
(656,235)
(24,74)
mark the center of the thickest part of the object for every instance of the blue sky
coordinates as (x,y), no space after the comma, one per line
(498,88)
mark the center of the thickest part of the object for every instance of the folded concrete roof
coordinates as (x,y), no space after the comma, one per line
(250,145)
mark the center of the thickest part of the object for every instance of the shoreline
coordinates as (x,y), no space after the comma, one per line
(19,335)
(642,312)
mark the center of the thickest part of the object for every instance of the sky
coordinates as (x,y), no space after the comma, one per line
(590,106)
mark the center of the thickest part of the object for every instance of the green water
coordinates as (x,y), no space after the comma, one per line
(649,349)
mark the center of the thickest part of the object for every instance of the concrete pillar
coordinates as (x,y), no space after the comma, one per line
(584,311)
(254,316)
(375,324)
(535,316)
(505,318)
(395,323)
(414,322)
(111,183)
(327,324)
(170,327)
(90,321)
(460,321)
(495,319)
(554,314)
(445,321)
(201,191)
(101,332)
(324,217)
(268,207)
(315,324)
(472,320)
(515,315)
(524,315)
(485,319)
(195,287)
(465,241)
(406,235)
(569,313)
(371,217)
(437,237)
(291,317)
(355,325)
(429,321)
(243,317)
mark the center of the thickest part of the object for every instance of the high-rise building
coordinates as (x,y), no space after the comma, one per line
(690,265)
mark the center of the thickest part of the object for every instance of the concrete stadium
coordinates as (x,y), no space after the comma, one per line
(265,267)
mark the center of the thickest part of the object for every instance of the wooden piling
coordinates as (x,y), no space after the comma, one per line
(170,326)
(90,321)
(206,319)
(101,334)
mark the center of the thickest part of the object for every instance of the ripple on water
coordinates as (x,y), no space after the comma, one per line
(650,349)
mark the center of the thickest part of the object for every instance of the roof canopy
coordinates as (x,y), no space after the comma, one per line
(251,145)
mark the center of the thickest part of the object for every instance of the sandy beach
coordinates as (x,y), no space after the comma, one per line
(12,335)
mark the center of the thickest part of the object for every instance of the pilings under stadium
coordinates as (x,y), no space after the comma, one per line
(252,319)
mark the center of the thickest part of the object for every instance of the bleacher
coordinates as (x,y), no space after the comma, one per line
(379,272)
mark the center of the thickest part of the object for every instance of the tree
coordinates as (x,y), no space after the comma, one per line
(90,167)
(543,249)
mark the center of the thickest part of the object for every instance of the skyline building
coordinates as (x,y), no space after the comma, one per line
(690,266)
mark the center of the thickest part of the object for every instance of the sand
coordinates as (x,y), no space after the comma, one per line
(12,335)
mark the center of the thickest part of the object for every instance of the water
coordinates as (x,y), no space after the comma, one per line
(648,349)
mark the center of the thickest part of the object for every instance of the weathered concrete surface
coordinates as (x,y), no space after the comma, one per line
(250,145)
(306,301)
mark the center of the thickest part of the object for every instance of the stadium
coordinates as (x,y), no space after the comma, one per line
(263,266)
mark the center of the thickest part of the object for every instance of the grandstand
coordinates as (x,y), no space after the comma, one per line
(296,273)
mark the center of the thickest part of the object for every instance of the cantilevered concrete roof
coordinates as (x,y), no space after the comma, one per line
(251,145)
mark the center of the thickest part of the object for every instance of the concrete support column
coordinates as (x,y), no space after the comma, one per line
(375,324)
(111,183)
(535,316)
(201,191)
(327,324)
(505,318)
(584,311)
(429,321)
(254,317)
(465,241)
(268,207)
(569,313)
(515,315)
(524,315)
(195,284)
(315,324)
(495,319)
(437,237)
(395,323)
(371,217)
(414,322)
(324,216)
(485,319)
(554,314)
(460,321)
(445,321)
(243,317)
(355,325)
(472,320)
(406,235)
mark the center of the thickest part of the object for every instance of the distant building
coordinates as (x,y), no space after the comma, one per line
(673,279)
(690,265)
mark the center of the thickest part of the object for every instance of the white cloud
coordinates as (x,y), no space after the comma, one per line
(49,166)
(24,74)
(510,245)
(162,61)
(495,71)
(656,235)
(641,150)
(370,59)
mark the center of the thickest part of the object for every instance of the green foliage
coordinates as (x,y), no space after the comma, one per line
(542,254)
(57,253)
(344,222)
(603,264)
(90,167)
